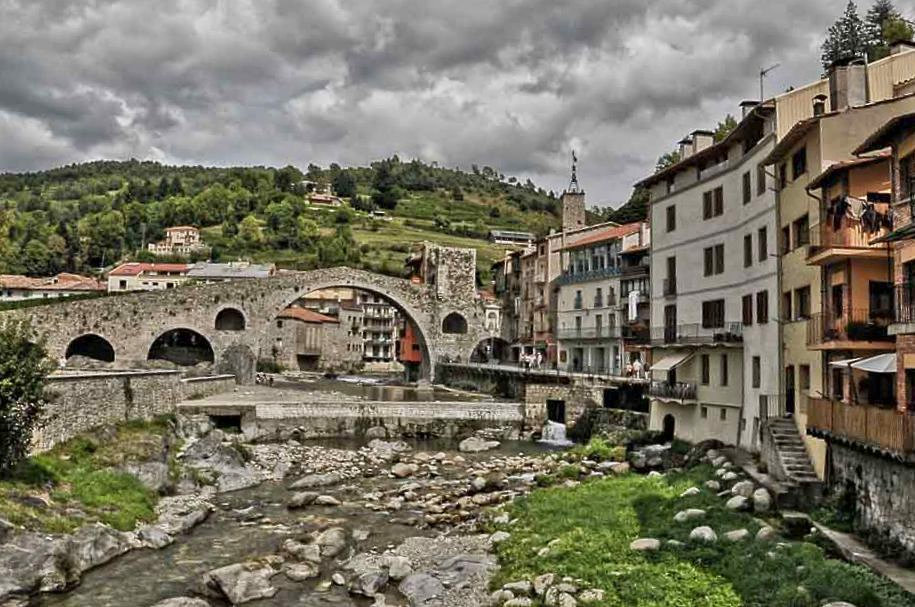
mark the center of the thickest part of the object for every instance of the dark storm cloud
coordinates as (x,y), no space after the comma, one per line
(513,84)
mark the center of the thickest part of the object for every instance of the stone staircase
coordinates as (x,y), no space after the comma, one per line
(787,459)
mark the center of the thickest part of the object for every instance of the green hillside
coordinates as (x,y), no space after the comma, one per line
(85,217)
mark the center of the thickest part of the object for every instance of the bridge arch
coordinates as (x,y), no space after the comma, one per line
(454,324)
(91,345)
(182,346)
(230,318)
(491,350)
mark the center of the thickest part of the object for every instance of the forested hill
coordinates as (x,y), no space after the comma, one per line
(84,217)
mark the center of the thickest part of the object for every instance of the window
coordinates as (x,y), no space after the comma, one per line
(785,244)
(786,306)
(724,369)
(599,298)
(801,231)
(804,377)
(760,179)
(708,256)
(747,310)
(724,414)
(671,218)
(719,259)
(782,176)
(799,163)
(802,302)
(704,412)
(577,303)
(756,371)
(747,250)
(762,307)
(762,243)
(747,188)
(705,368)
(713,203)
(713,314)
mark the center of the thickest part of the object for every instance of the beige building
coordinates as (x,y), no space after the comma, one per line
(816,147)
(307,340)
(179,240)
(137,276)
(15,287)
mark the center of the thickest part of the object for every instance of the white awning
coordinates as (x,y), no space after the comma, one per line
(881,363)
(846,362)
(669,363)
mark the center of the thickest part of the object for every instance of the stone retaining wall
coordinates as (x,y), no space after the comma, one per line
(884,492)
(78,402)
(578,400)
(280,421)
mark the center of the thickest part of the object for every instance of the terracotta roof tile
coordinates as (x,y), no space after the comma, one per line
(306,315)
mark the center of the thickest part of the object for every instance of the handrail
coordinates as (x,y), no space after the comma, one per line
(696,333)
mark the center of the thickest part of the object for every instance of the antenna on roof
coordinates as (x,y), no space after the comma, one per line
(573,185)
(762,74)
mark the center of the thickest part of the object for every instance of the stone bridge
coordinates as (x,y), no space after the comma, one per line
(235,317)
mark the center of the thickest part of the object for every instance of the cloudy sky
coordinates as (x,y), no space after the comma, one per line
(509,83)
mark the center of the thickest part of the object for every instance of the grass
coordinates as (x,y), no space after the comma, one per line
(80,481)
(595,522)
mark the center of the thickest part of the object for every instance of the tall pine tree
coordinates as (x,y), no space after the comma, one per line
(846,39)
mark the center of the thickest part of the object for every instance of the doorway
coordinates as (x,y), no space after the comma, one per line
(556,411)
(669,426)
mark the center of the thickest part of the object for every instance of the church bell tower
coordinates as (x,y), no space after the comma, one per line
(573,201)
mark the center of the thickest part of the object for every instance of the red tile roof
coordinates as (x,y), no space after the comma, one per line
(306,315)
(62,282)
(135,268)
(605,235)
(173,228)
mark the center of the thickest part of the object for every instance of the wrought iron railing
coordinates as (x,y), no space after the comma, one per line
(572,277)
(639,268)
(858,324)
(589,333)
(697,334)
(679,390)
(904,299)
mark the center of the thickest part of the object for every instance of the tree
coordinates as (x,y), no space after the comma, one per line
(846,39)
(884,26)
(344,184)
(724,128)
(667,160)
(24,364)
(249,232)
(287,177)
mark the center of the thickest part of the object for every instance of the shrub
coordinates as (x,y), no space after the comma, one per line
(24,364)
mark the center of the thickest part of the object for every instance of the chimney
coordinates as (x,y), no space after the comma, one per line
(685,147)
(847,84)
(819,105)
(746,107)
(702,140)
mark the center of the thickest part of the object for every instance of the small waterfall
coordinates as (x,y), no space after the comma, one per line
(554,433)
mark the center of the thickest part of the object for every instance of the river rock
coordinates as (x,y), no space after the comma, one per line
(153,475)
(520,601)
(302,552)
(239,583)
(713,485)
(331,541)
(302,499)
(316,480)
(762,500)
(738,503)
(421,590)
(743,488)
(737,535)
(475,444)
(369,582)
(766,534)
(691,492)
(182,601)
(499,536)
(299,572)
(592,595)
(94,545)
(376,432)
(645,544)
(225,460)
(521,587)
(32,562)
(387,450)
(703,534)
(326,500)
(402,470)
(688,515)
(181,513)
(399,567)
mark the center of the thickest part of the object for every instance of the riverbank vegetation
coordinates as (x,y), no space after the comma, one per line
(85,480)
(587,530)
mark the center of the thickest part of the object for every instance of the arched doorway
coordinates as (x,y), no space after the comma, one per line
(184,347)
(669,426)
(491,350)
(230,319)
(454,324)
(91,346)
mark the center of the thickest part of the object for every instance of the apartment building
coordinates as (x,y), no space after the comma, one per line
(590,313)
(137,276)
(714,284)
(814,152)
(380,329)
(179,240)
(634,300)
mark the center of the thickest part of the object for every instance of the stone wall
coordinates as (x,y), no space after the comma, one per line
(78,402)
(884,492)
(579,399)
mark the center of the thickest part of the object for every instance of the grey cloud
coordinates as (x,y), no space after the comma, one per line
(512,84)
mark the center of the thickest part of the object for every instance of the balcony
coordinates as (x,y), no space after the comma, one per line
(567,278)
(670,287)
(857,328)
(681,391)
(636,335)
(851,240)
(731,332)
(885,429)
(589,333)
(904,309)
(635,270)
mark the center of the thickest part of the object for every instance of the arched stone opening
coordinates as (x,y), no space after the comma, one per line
(454,324)
(491,350)
(91,346)
(184,347)
(230,319)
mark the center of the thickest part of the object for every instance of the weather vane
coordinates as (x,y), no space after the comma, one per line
(573,185)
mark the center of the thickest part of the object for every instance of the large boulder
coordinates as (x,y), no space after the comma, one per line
(703,534)
(762,500)
(738,503)
(369,582)
(422,590)
(239,583)
(95,545)
(331,541)
(475,444)
(316,480)
(743,488)
(301,499)
(154,475)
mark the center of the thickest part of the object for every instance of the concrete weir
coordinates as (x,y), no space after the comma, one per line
(280,419)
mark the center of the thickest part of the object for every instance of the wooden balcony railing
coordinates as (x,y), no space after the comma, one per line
(850,235)
(852,325)
(867,425)
(682,391)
